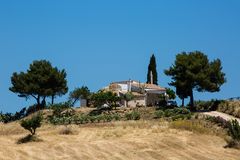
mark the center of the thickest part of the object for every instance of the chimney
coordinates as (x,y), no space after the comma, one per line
(151,77)
(130,85)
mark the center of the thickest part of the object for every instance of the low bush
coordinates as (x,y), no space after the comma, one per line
(133,115)
(230,107)
(66,131)
(83,119)
(159,114)
(32,124)
(116,117)
(9,117)
(234,132)
(211,105)
(232,127)
(191,125)
(31,109)
(174,114)
(219,121)
(59,108)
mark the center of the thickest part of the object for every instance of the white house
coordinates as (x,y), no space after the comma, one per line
(144,94)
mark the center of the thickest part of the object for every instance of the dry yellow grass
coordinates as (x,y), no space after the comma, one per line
(142,140)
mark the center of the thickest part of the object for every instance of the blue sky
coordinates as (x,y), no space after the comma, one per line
(102,41)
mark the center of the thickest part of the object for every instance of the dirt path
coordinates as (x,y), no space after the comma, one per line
(220,114)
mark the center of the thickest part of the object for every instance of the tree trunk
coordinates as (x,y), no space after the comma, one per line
(52,99)
(183,102)
(192,108)
(38,103)
(43,104)
(34,131)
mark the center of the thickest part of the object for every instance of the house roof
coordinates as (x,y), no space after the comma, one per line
(126,82)
(114,86)
(154,86)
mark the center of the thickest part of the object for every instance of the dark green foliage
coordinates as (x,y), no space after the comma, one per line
(62,113)
(207,105)
(32,109)
(219,121)
(173,114)
(9,117)
(60,107)
(171,94)
(109,98)
(40,81)
(32,124)
(79,93)
(116,117)
(84,119)
(194,71)
(234,130)
(152,67)
(133,115)
(159,114)
(128,97)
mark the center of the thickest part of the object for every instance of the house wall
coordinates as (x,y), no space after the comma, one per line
(124,87)
(152,99)
(83,102)
(137,101)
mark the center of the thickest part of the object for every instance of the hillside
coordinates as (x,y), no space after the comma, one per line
(141,140)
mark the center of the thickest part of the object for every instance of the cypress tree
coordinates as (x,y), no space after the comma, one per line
(152,67)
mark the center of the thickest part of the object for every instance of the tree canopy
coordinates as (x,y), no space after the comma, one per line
(193,71)
(152,67)
(40,81)
(101,97)
(79,93)
(171,94)
(128,97)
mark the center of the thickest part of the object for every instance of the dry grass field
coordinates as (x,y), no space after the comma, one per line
(142,140)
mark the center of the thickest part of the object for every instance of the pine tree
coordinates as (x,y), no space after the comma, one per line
(152,67)
(41,80)
(193,71)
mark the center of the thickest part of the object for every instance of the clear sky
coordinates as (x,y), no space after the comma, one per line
(98,42)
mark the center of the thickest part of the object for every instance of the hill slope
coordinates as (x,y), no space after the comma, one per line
(116,141)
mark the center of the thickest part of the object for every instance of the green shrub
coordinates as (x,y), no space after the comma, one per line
(32,124)
(181,117)
(191,125)
(177,113)
(116,117)
(169,113)
(31,109)
(61,120)
(133,115)
(159,114)
(219,121)
(208,105)
(234,130)
(107,118)
(99,118)
(66,131)
(92,119)
(230,107)
(59,108)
